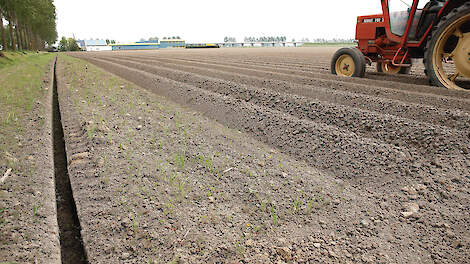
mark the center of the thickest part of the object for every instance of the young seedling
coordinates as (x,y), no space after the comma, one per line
(298,201)
(135,225)
(35,209)
(211,191)
(274,216)
(91,131)
(172,178)
(181,189)
(240,248)
(249,173)
(309,207)
(263,206)
(179,160)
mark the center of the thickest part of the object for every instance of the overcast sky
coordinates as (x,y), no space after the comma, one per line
(210,20)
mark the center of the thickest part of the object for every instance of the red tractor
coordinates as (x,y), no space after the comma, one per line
(437,31)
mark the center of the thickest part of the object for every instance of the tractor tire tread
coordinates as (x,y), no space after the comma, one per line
(358,57)
(432,38)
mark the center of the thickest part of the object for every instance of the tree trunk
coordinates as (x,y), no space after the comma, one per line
(33,41)
(30,38)
(2,32)
(42,44)
(37,40)
(12,37)
(18,36)
(25,37)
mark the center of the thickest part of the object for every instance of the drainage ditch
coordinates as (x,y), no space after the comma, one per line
(71,243)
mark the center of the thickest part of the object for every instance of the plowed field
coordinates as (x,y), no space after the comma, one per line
(379,167)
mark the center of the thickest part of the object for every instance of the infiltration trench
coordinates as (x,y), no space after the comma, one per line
(71,244)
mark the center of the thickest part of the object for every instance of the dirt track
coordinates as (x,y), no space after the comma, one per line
(400,146)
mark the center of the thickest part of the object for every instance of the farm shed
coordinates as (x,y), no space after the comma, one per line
(136,46)
(96,45)
(143,45)
(172,43)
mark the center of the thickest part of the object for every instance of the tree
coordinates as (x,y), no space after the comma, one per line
(154,39)
(107,41)
(230,39)
(31,23)
(12,38)
(69,44)
(72,45)
(63,44)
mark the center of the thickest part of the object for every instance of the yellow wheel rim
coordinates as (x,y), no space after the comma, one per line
(452,64)
(345,66)
(387,67)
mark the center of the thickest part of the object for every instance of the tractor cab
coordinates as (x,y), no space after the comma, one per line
(438,31)
(399,12)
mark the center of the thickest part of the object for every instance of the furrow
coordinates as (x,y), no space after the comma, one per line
(327,147)
(429,140)
(387,83)
(423,113)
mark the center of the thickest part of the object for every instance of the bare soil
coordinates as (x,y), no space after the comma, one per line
(263,156)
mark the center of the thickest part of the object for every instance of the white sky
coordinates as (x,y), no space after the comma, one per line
(210,20)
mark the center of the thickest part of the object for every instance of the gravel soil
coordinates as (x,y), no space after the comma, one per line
(281,162)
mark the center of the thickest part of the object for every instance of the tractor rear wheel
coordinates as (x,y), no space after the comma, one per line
(349,62)
(387,67)
(447,53)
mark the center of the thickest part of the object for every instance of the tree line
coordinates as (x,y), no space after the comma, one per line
(156,39)
(31,24)
(174,37)
(266,39)
(230,39)
(68,44)
(284,39)
(334,40)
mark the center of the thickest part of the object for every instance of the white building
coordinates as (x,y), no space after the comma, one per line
(96,45)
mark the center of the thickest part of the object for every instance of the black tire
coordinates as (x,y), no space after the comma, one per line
(358,58)
(403,70)
(443,24)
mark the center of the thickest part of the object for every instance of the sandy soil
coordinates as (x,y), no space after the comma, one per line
(282,162)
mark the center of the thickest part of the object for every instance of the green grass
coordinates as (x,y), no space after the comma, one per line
(15,57)
(21,77)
